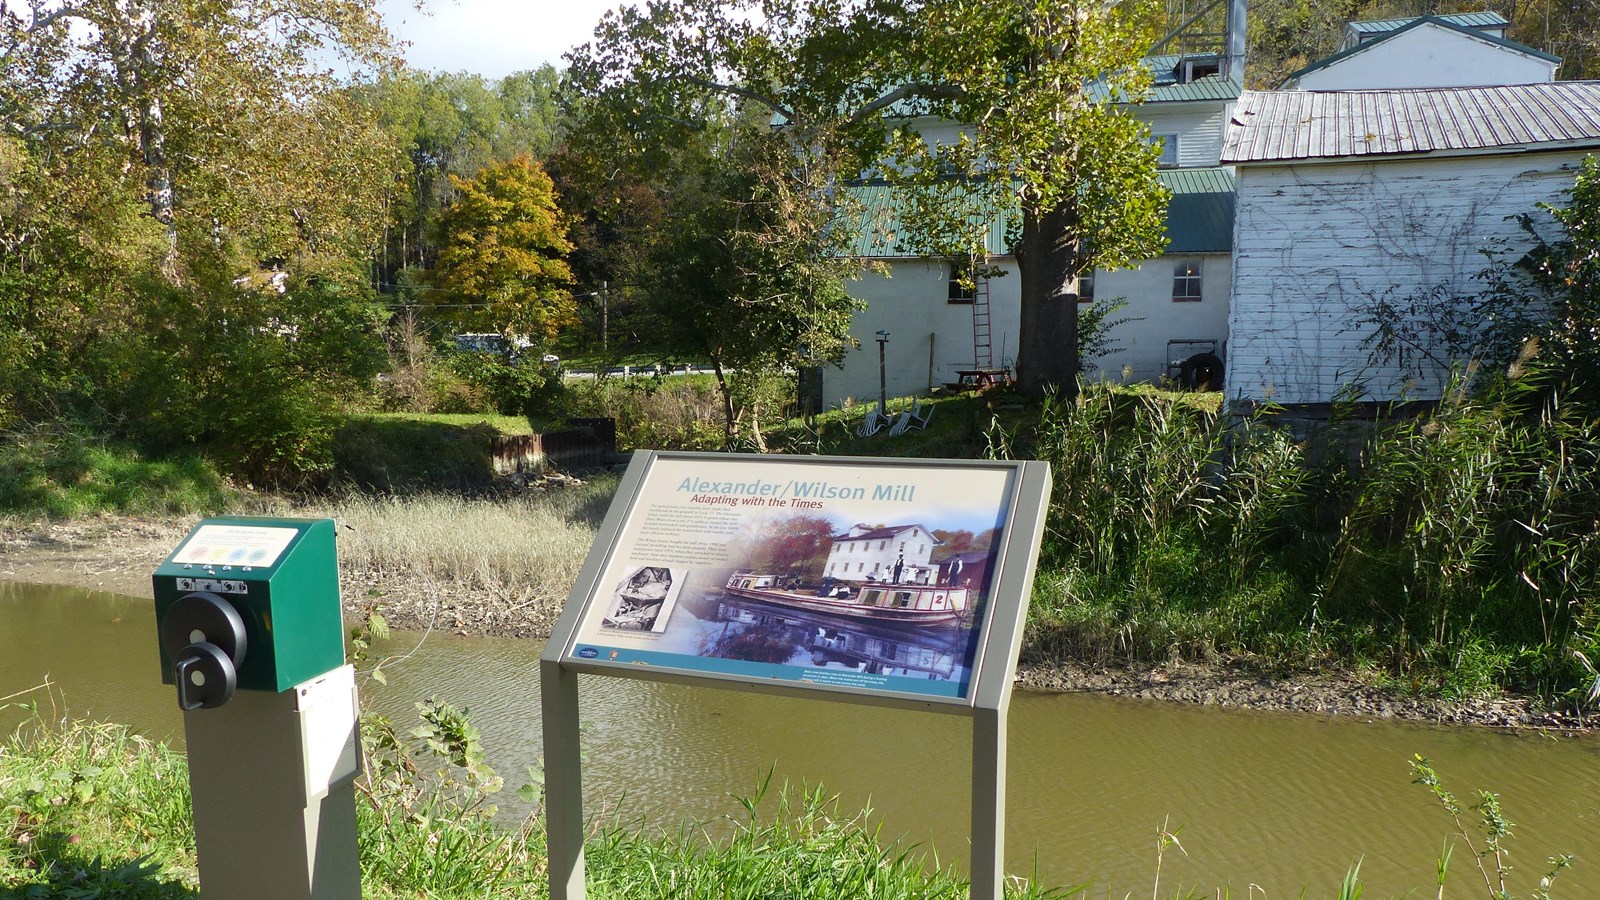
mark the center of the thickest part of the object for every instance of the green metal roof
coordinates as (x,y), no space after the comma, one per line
(1199,216)
(1164,86)
(1465,20)
(881,234)
(1200,213)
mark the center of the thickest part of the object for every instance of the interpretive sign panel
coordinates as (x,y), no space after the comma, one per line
(862,576)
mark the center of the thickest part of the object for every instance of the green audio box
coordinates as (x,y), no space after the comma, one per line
(248,603)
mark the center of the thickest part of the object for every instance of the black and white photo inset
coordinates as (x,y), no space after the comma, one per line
(643,601)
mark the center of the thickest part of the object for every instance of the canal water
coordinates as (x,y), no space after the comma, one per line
(1280,801)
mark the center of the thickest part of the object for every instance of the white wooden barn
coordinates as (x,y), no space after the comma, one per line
(1344,196)
(1464,50)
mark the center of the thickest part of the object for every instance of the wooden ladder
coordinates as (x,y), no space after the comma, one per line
(982,347)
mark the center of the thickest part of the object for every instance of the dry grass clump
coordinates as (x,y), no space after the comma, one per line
(529,546)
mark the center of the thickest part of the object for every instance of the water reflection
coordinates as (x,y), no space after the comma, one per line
(735,628)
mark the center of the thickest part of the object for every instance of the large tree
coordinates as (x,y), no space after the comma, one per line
(189,201)
(224,110)
(1041,86)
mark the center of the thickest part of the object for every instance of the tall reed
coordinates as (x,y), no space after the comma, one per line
(1462,542)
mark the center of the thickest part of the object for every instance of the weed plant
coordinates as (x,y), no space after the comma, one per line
(678,412)
(805,850)
(93,810)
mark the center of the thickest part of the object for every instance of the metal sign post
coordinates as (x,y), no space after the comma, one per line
(696,562)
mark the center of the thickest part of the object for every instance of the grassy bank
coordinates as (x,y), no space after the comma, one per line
(90,810)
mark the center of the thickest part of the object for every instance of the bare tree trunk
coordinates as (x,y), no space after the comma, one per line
(1049,256)
(140,78)
(730,415)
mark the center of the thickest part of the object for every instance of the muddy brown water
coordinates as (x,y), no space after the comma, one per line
(1280,801)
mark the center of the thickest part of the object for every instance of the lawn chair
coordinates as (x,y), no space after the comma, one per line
(901,423)
(872,423)
(919,418)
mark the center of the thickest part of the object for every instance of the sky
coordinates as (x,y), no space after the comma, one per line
(492,38)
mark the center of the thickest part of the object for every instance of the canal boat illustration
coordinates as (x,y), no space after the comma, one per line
(877,602)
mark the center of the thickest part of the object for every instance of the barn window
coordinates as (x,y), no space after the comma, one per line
(1169,149)
(963,284)
(1186,281)
(1086,287)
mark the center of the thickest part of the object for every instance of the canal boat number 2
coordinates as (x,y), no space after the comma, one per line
(881,581)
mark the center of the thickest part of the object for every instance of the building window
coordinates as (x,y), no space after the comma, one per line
(1086,287)
(1200,67)
(959,292)
(1186,281)
(1169,149)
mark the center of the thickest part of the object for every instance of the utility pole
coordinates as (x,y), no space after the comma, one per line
(605,320)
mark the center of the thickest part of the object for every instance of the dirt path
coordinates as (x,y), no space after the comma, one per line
(118,554)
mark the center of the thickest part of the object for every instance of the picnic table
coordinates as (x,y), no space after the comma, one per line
(979,379)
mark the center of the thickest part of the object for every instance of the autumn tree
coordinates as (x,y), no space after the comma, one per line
(502,250)
(189,223)
(796,544)
(452,123)
(1040,85)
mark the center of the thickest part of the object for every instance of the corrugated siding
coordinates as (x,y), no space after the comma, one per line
(1315,243)
(1290,125)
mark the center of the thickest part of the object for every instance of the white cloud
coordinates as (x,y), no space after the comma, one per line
(492,38)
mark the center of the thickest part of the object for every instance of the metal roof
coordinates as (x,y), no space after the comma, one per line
(881,234)
(1200,213)
(1292,125)
(1408,24)
(1164,86)
(1465,20)
(1199,216)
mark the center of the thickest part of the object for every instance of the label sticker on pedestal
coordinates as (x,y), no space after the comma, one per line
(235,545)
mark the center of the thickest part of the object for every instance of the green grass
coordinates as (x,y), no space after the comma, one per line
(90,810)
(502,424)
(58,471)
(412,452)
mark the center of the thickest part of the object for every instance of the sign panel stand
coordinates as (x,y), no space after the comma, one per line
(693,578)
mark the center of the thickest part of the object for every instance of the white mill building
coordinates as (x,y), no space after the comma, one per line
(865,553)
